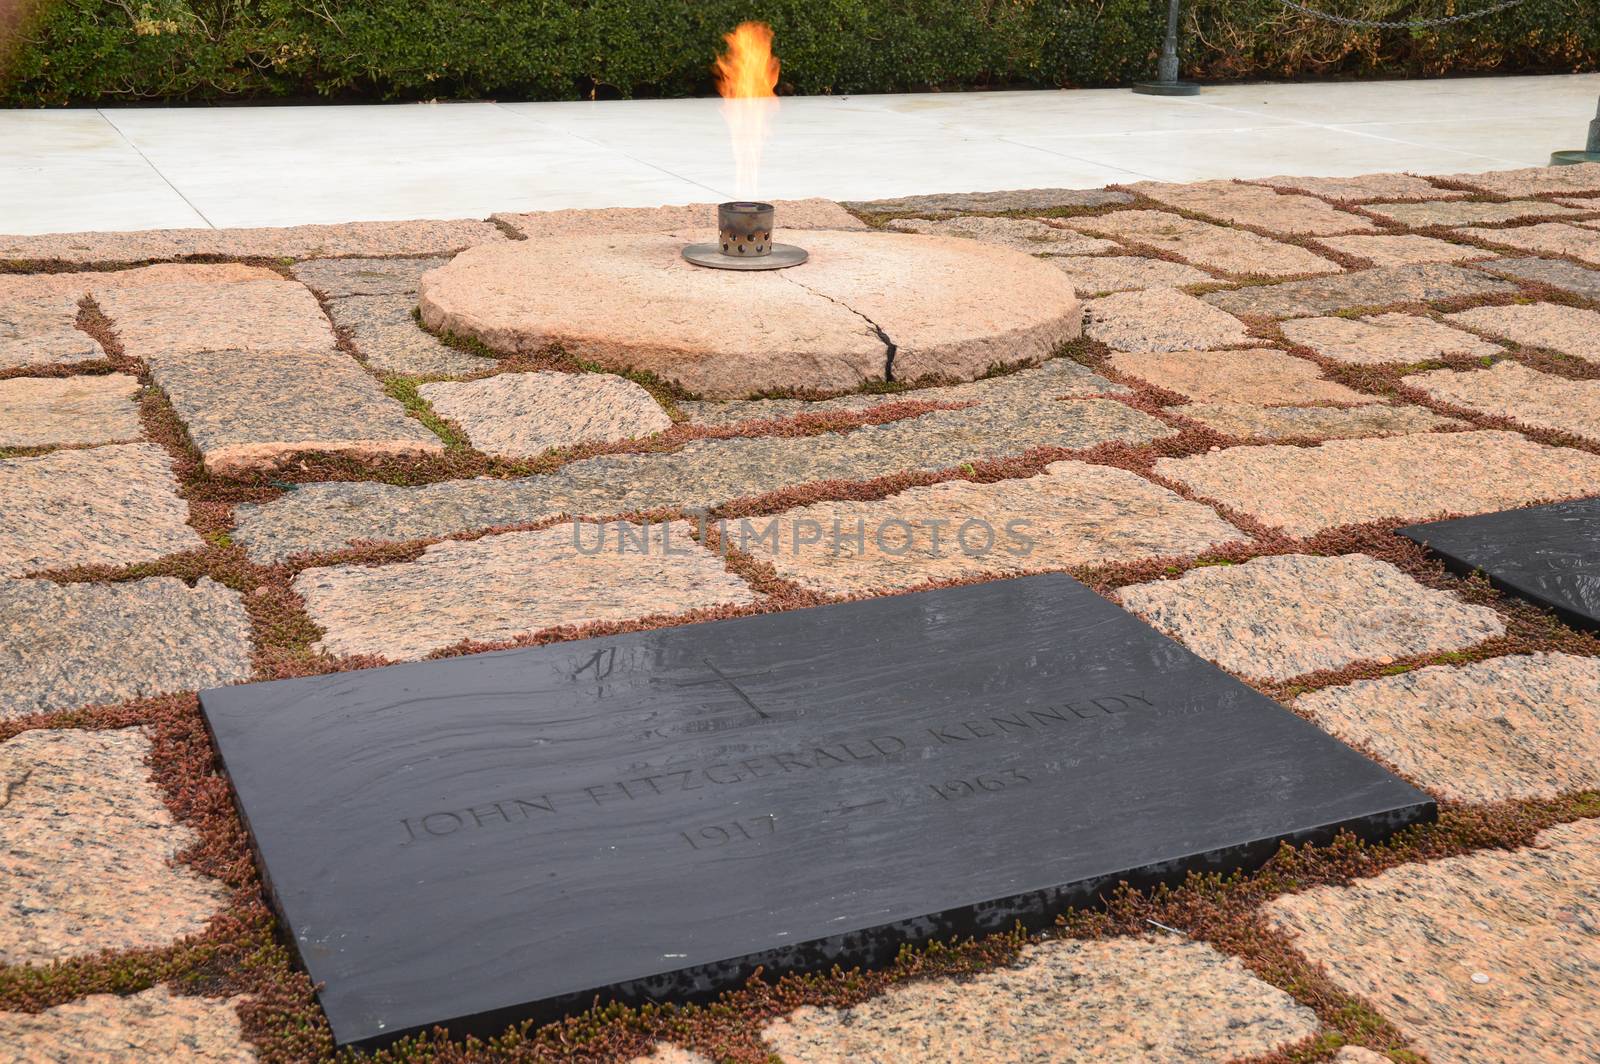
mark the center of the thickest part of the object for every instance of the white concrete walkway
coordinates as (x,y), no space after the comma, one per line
(144,168)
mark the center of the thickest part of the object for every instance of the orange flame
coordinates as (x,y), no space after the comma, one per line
(746,77)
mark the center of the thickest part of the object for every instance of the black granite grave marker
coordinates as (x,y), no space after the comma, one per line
(1549,555)
(650,816)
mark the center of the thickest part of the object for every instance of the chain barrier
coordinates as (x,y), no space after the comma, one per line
(1345,20)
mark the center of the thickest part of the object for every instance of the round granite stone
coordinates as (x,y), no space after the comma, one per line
(866,306)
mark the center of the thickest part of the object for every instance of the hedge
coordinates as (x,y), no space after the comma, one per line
(104,51)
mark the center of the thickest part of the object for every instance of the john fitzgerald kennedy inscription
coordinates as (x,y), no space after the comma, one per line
(477,840)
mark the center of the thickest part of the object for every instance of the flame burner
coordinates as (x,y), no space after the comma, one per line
(744,241)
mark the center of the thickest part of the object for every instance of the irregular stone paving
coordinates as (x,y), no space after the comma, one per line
(1384,338)
(1019,234)
(1071,514)
(1275,618)
(1314,422)
(1415,478)
(57,411)
(1026,199)
(68,645)
(1159,319)
(295,241)
(1254,205)
(1556,238)
(101,506)
(86,848)
(1422,282)
(705,473)
(1358,1055)
(1535,180)
(114,1029)
(669,1054)
(1512,390)
(1524,726)
(375,302)
(1389,250)
(41,329)
(1216,247)
(1569,330)
(1262,376)
(519,415)
(1094,275)
(1414,941)
(1588,203)
(1363,189)
(811,213)
(1057,378)
(341,278)
(500,587)
(388,337)
(1117,1001)
(1567,276)
(1428,215)
(248,409)
(155,321)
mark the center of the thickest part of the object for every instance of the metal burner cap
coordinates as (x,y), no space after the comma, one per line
(712,255)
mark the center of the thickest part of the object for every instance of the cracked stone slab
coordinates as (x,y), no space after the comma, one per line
(1535,180)
(1512,390)
(112,505)
(56,411)
(40,328)
(1160,319)
(704,474)
(1020,234)
(813,213)
(295,242)
(1094,275)
(1415,940)
(338,278)
(1391,250)
(504,586)
(1304,490)
(1136,1000)
(1428,215)
(1254,205)
(1072,514)
(1315,422)
(1057,378)
(948,306)
(151,1025)
(1274,618)
(1423,282)
(521,415)
(1569,330)
(385,332)
(1262,376)
(158,321)
(1385,338)
(87,848)
(68,645)
(1555,238)
(1567,276)
(1522,726)
(1217,247)
(1363,189)
(250,409)
(1025,199)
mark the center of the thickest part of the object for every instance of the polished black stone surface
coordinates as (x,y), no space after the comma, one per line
(649,816)
(1549,555)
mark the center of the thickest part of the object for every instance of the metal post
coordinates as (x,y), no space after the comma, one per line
(1167,83)
(1590,155)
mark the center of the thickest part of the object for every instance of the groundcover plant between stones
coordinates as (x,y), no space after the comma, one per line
(1271,965)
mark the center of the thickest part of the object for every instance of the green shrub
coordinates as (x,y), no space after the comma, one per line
(95,51)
